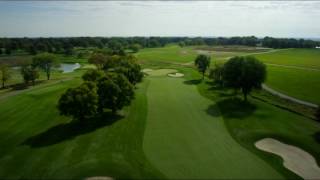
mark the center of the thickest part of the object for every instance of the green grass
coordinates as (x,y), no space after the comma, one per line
(186,136)
(299,83)
(36,142)
(293,57)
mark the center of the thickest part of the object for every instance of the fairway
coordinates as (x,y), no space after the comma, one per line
(184,138)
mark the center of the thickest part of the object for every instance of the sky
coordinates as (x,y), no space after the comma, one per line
(299,19)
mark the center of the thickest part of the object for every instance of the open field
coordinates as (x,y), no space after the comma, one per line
(175,53)
(294,80)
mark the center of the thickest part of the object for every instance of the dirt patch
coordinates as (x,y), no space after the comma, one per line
(294,158)
(175,75)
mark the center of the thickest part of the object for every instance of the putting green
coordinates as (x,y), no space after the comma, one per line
(185,139)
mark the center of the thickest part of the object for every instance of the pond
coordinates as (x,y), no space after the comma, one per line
(64,67)
(69,67)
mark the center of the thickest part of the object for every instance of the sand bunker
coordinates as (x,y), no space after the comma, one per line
(160,72)
(99,178)
(294,158)
(146,70)
(176,75)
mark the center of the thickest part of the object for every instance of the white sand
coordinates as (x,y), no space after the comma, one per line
(99,178)
(161,72)
(175,75)
(294,158)
(146,70)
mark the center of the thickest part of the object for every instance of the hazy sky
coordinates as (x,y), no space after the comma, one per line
(160,18)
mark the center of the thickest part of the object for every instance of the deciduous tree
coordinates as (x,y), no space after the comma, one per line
(45,61)
(202,62)
(79,102)
(4,74)
(114,91)
(245,73)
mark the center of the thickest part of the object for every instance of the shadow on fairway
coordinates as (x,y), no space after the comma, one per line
(317,136)
(193,82)
(232,108)
(67,131)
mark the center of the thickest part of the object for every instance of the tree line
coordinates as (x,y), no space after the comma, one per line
(119,44)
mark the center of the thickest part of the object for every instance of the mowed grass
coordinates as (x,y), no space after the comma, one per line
(186,136)
(299,83)
(293,57)
(169,53)
(37,143)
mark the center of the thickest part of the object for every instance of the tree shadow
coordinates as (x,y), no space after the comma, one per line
(232,108)
(193,82)
(68,131)
(317,136)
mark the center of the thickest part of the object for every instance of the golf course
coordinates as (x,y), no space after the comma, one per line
(178,126)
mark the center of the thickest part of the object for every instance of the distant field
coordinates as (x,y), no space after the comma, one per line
(293,57)
(177,54)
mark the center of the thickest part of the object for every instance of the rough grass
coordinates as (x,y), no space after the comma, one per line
(37,143)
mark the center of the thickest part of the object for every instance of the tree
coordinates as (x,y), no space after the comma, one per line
(98,59)
(135,47)
(79,102)
(45,61)
(216,74)
(93,75)
(245,73)
(1,52)
(8,51)
(129,67)
(202,62)
(114,91)
(4,74)
(29,73)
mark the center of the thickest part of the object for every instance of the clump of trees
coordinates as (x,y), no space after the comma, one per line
(4,74)
(241,73)
(202,62)
(109,88)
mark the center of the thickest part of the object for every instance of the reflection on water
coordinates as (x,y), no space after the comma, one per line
(67,68)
